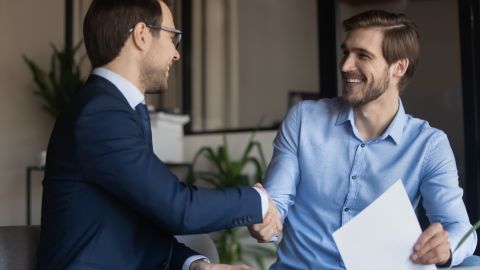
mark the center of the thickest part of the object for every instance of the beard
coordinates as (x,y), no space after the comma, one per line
(154,78)
(370,92)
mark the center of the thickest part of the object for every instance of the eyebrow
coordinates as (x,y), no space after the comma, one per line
(343,47)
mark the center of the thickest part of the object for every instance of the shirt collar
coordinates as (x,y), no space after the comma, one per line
(394,130)
(133,95)
(344,114)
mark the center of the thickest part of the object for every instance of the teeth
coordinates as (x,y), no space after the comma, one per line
(354,81)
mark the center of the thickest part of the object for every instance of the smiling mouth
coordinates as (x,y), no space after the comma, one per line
(353,80)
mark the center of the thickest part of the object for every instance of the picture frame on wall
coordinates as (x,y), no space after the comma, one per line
(296,96)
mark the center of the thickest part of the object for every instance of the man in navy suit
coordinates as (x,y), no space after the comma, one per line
(108,201)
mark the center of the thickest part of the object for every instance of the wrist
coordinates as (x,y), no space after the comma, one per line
(201,264)
(447,263)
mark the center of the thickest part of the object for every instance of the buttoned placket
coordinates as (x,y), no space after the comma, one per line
(358,167)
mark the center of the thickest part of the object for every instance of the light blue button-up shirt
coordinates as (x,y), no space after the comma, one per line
(323,173)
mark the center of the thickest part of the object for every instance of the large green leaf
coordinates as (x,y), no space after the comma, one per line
(57,86)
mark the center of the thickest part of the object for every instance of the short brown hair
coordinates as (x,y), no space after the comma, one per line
(400,37)
(107,23)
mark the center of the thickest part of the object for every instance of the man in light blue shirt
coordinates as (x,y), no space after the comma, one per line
(333,157)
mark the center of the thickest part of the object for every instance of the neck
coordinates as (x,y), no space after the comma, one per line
(372,119)
(126,69)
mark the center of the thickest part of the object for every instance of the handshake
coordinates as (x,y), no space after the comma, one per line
(271,227)
(264,232)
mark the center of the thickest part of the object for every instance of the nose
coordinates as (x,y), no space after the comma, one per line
(176,55)
(347,64)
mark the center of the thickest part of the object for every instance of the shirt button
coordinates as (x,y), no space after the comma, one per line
(362,145)
(346,209)
(354,177)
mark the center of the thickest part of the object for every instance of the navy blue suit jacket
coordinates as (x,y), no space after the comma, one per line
(110,203)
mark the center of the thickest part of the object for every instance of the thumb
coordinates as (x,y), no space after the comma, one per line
(258,185)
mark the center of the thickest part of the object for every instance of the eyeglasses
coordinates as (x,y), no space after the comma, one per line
(177,34)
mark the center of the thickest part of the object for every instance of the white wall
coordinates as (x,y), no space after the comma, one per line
(251,55)
(28,27)
(278,49)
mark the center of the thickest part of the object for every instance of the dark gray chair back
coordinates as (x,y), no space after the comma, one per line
(18,247)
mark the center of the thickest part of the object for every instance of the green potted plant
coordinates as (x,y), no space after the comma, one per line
(232,244)
(58,85)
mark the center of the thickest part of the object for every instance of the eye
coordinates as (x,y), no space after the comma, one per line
(363,56)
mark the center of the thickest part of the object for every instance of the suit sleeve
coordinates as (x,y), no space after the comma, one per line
(180,254)
(114,156)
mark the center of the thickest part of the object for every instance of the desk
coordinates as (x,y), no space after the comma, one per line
(30,169)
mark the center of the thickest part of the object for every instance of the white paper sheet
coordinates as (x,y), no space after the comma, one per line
(382,235)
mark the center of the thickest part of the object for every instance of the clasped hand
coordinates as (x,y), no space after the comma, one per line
(271,226)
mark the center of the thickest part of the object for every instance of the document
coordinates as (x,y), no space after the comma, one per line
(382,236)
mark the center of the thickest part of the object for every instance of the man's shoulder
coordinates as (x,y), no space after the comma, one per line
(97,86)
(98,93)
(420,128)
(324,105)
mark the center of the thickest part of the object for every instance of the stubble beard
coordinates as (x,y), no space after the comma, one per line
(154,78)
(370,92)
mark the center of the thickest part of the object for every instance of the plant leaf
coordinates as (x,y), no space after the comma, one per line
(63,79)
(464,238)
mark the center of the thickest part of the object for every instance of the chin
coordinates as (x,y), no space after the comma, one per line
(157,88)
(155,91)
(352,100)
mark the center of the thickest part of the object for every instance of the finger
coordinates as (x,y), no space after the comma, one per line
(245,267)
(436,240)
(438,255)
(265,233)
(276,218)
(430,232)
(262,232)
(268,232)
(258,185)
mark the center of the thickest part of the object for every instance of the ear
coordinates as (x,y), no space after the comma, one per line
(401,67)
(141,36)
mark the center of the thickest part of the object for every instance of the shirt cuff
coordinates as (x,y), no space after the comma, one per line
(264,198)
(191,259)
